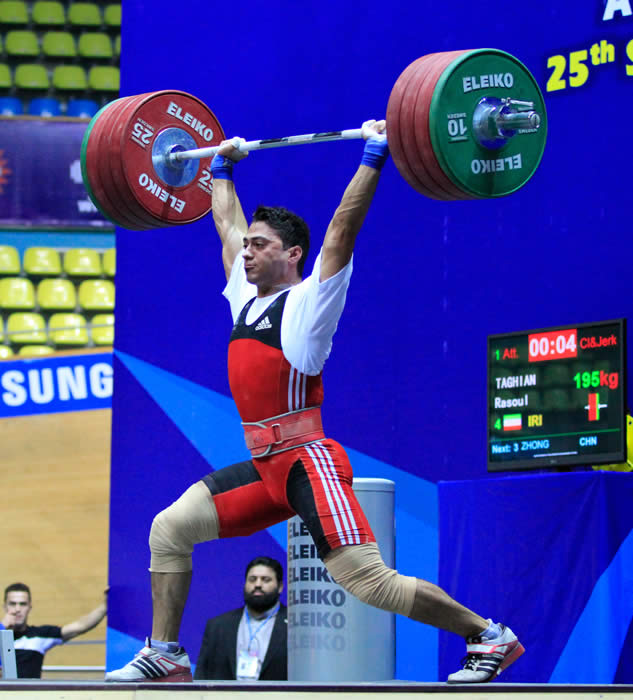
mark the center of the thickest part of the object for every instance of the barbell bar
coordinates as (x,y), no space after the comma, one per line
(460,124)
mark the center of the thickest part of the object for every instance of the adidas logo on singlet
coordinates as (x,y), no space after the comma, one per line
(264,324)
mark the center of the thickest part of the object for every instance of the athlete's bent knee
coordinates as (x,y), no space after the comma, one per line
(360,570)
(191,519)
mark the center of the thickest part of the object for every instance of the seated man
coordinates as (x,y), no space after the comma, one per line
(249,643)
(32,642)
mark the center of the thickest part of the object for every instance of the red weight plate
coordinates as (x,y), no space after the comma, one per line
(169,109)
(97,163)
(420,169)
(93,169)
(111,138)
(107,158)
(394,132)
(420,162)
(420,126)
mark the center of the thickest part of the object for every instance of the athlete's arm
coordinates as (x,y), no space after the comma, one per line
(228,216)
(348,218)
(86,622)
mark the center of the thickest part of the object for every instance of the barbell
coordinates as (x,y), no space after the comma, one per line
(460,125)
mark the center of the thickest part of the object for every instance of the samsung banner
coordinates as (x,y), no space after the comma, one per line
(40,175)
(55,384)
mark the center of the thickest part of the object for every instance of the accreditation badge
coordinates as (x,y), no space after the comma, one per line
(247,667)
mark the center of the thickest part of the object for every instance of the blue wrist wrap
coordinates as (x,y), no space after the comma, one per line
(376,153)
(222,168)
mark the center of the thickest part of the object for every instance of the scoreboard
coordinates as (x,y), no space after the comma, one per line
(556,397)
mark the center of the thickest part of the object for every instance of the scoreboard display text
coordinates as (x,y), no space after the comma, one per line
(556,397)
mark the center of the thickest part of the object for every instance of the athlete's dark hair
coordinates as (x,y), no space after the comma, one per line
(292,229)
(270,563)
(21,587)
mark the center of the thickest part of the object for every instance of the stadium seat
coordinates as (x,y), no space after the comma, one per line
(11,106)
(31,76)
(68,329)
(96,295)
(17,293)
(109,262)
(42,261)
(117,46)
(56,294)
(35,350)
(45,107)
(46,13)
(9,260)
(14,13)
(95,45)
(82,262)
(59,45)
(21,43)
(102,329)
(104,78)
(26,328)
(112,16)
(70,78)
(81,108)
(6,81)
(5,352)
(1,330)
(84,14)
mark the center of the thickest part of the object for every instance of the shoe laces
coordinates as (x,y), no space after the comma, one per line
(471,661)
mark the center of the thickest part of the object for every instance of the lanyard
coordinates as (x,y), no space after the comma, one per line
(252,634)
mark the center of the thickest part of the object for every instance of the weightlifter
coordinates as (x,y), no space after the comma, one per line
(281,338)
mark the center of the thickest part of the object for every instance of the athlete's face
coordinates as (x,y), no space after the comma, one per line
(17,607)
(266,263)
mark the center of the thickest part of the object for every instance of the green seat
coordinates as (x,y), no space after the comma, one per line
(5,352)
(117,46)
(95,45)
(69,78)
(26,328)
(56,294)
(96,295)
(59,45)
(35,350)
(109,262)
(48,14)
(104,78)
(31,76)
(84,14)
(42,261)
(9,260)
(102,329)
(82,262)
(112,16)
(14,13)
(21,43)
(6,81)
(17,293)
(68,329)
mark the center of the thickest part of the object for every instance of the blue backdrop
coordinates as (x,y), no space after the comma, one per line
(406,383)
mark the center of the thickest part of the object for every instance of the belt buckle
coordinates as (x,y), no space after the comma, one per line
(276,428)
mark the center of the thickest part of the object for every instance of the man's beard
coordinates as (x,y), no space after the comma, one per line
(261,602)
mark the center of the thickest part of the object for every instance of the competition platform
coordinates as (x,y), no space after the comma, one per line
(234,690)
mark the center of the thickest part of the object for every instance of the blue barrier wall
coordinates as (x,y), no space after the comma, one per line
(406,383)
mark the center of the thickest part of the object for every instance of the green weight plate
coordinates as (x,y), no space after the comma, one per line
(479,170)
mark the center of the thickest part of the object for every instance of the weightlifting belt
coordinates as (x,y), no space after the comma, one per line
(281,433)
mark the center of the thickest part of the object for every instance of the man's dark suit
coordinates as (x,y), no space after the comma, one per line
(216,661)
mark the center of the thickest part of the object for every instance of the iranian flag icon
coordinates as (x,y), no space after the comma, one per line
(512,421)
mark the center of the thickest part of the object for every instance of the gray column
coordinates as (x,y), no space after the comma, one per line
(332,636)
(7,655)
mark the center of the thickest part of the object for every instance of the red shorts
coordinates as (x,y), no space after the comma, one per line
(313,481)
